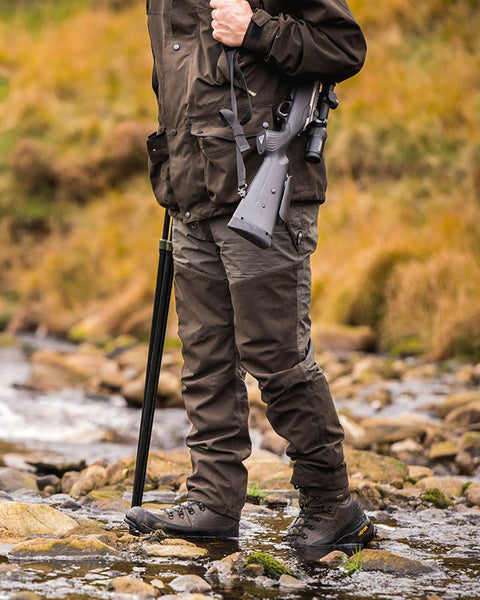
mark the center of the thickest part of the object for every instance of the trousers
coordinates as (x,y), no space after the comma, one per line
(244,309)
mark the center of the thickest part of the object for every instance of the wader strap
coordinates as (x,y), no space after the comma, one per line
(230,117)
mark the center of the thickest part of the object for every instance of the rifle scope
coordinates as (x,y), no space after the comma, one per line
(317,131)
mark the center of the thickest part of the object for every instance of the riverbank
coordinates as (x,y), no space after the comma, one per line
(413,449)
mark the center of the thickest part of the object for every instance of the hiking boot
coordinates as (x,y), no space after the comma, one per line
(189,519)
(336,521)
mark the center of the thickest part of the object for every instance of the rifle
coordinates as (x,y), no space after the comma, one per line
(268,197)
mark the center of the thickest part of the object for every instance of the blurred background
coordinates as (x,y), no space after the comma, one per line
(399,250)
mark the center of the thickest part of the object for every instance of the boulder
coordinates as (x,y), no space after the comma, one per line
(133,586)
(472,494)
(291,583)
(160,464)
(375,467)
(454,401)
(464,417)
(452,487)
(387,562)
(105,500)
(93,478)
(19,520)
(12,480)
(389,431)
(74,547)
(446,449)
(189,583)
(415,473)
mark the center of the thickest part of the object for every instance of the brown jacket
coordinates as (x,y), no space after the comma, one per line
(192,155)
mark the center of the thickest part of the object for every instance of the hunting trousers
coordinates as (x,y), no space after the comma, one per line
(241,309)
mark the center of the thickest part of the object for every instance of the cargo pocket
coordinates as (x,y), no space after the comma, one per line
(158,166)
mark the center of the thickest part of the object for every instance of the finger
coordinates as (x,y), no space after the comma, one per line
(214,3)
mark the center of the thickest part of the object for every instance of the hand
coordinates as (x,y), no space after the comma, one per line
(230,21)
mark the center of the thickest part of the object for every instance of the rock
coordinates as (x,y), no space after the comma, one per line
(472,494)
(408,451)
(275,500)
(175,549)
(470,442)
(227,569)
(333,559)
(380,398)
(452,487)
(194,596)
(92,478)
(105,500)
(342,337)
(160,464)
(134,358)
(68,481)
(158,584)
(375,467)
(24,595)
(464,416)
(53,464)
(12,480)
(111,376)
(434,597)
(133,586)
(291,583)
(423,371)
(19,520)
(73,547)
(189,583)
(268,471)
(274,443)
(389,431)
(49,481)
(454,401)
(353,431)
(465,463)
(170,389)
(387,562)
(447,449)
(415,473)
(366,494)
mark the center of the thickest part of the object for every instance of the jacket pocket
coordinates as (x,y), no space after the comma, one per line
(158,165)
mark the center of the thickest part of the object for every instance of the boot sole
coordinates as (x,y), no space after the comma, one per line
(184,532)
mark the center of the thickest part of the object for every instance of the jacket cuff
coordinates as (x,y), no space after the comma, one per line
(260,33)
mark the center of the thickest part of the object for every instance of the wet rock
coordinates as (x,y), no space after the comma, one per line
(291,583)
(464,416)
(389,431)
(387,562)
(275,500)
(454,401)
(52,481)
(375,467)
(93,478)
(435,597)
(367,495)
(227,570)
(380,398)
(70,504)
(447,449)
(169,390)
(333,559)
(158,584)
(353,430)
(174,464)
(73,547)
(53,464)
(68,481)
(182,596)
(268,471)
(408,451)
(465,463)
(470,442)
(24,595)
(174,548)
(19,520)
(105,500)
(134,358)
(416,472)
(189,583)
(274,443)
(370,369)
(133,586)
(452,487)
(12,480)
(111,376)
(472,494)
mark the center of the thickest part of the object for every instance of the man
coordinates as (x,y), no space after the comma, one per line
(241,308)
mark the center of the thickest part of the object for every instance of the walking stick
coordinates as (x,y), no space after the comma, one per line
(161,304)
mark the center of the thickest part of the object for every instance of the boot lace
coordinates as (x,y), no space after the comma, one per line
(307,517)
(188,506)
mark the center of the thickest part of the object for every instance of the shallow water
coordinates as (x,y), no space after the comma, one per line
(74,425)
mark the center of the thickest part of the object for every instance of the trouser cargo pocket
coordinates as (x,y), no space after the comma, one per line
(158,165)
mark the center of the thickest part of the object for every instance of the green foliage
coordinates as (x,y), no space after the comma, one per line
(436,497)
(352,564)
(254,493)
(271,566)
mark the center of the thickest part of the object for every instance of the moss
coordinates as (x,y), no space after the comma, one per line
(436,497)
(271,567)
(465,486)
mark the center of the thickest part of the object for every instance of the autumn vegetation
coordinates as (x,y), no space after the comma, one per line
(399,245)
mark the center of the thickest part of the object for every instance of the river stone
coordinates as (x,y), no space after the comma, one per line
(416,472)
(268,471)
(389,431)
(375,467)
(447,449)
(182,596)
(12,480)
(470,442)
(189,583)
(387,562)
(105,500)
(227,569)
(465,463)
(408,451)
(73,547)
(68,481)
(24,595)
(464,416)
(274,443)
(292,583)
(92,478)
(333,559)
(452,487)
(159,465)
(472,494)
(19,520)
(133,586)
(172,548)
(454,401)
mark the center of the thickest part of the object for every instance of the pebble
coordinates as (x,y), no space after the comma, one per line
(189,583)
(292,583)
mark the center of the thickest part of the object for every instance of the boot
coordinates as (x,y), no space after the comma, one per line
(190,519)
(329,521)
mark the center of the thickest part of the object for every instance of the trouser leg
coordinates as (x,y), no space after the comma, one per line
(213,386)
(271,291)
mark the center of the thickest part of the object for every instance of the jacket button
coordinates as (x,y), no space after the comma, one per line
(187,215)
(174,132)
(176,47)
(299,238)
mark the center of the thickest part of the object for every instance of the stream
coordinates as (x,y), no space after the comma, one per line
(74,425)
